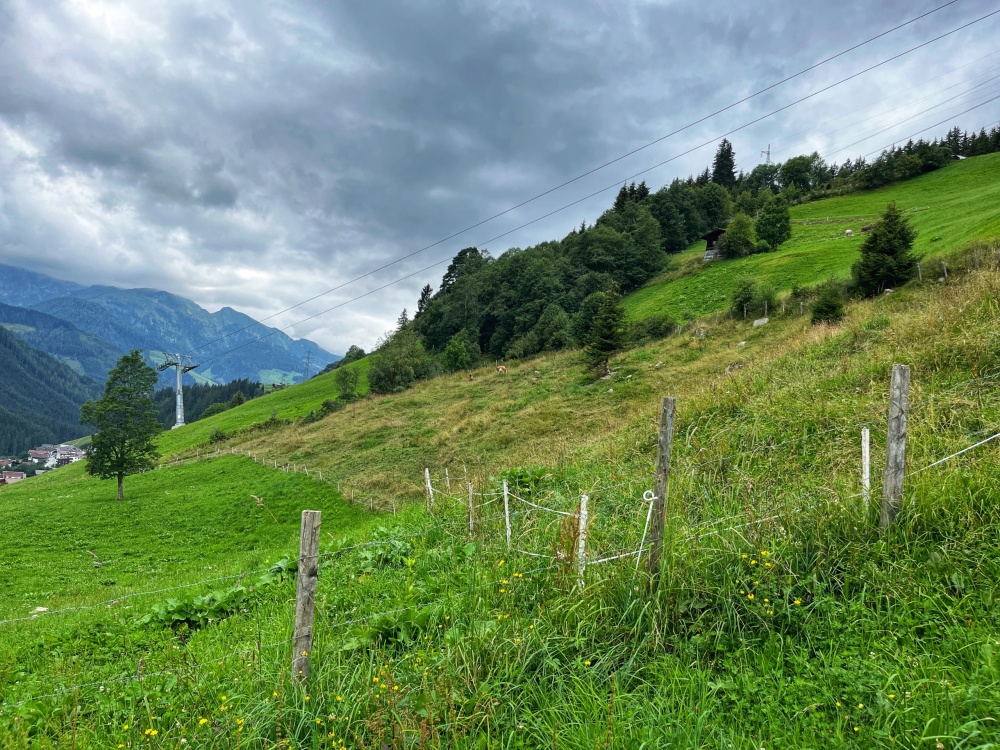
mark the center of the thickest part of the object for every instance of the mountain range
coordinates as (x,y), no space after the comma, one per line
(88,327)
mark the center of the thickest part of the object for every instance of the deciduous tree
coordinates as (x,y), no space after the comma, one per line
(126,423)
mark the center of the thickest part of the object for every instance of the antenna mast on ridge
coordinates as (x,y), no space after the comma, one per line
(177,361)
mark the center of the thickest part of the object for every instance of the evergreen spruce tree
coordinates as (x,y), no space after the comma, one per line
(125,417)
(886,258)
(774,225)
(724,165)
(425,298)
(403,320)
(607,335)
(622,199)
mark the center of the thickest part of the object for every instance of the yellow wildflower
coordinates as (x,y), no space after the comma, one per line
(587,663)
(750,597)
(307,697)
(202,721)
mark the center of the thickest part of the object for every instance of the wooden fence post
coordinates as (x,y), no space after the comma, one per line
(866,467)
(895,451)
(305,593)
(944,268)
(581,549)
(920,273)
(447,479)
(430,492)
(506,511)
(659,520)
(472,522)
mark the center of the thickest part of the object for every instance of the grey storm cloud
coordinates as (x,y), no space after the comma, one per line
(255,155)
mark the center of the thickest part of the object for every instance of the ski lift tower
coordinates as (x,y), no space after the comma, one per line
(178,361)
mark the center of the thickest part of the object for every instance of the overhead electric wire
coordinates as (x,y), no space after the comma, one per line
(923,130)
(837,149)
(898,94)
(908,104)
(584,174)
(596,192)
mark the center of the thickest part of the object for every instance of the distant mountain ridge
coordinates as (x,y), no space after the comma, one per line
(159,322)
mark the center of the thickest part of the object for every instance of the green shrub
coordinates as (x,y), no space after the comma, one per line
(651,329)
(829,306)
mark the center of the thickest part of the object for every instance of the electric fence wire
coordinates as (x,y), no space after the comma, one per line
(616,184)
(590,171)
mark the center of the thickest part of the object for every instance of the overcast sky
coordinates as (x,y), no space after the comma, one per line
(256,154)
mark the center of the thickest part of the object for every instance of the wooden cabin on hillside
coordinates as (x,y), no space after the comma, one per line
(712,249)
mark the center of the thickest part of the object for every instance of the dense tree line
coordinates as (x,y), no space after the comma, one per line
(548,296)
(200,398)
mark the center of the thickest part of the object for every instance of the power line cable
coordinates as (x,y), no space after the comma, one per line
(593,194)
(902,106)
(584,174)
(913,117)
(896,95)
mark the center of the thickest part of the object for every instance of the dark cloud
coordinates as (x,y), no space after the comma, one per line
(253,155)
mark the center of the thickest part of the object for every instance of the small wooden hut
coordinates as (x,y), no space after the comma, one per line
(712,249)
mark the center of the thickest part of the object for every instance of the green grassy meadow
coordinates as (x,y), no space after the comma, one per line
(783,617)
(949,208)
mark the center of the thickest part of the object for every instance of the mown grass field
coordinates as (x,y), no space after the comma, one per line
(949,208)
(783,617)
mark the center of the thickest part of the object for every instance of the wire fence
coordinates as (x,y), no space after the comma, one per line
(569,532)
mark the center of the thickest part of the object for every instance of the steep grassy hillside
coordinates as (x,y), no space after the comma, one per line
(784,619)
(949,208)
(289,403)
(783,616)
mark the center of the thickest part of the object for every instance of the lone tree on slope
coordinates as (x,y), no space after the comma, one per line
(886,258)
(607,335)
(125,417)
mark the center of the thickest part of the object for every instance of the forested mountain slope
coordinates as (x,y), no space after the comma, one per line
(40,397)
(85,353)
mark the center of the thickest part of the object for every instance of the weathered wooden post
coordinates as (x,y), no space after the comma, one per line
(430,492)
(506,511)
(866,466)
(895,450)
(581,549)
(305,593)
(447,479)
(920,273)
(659,520)
(944,268)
